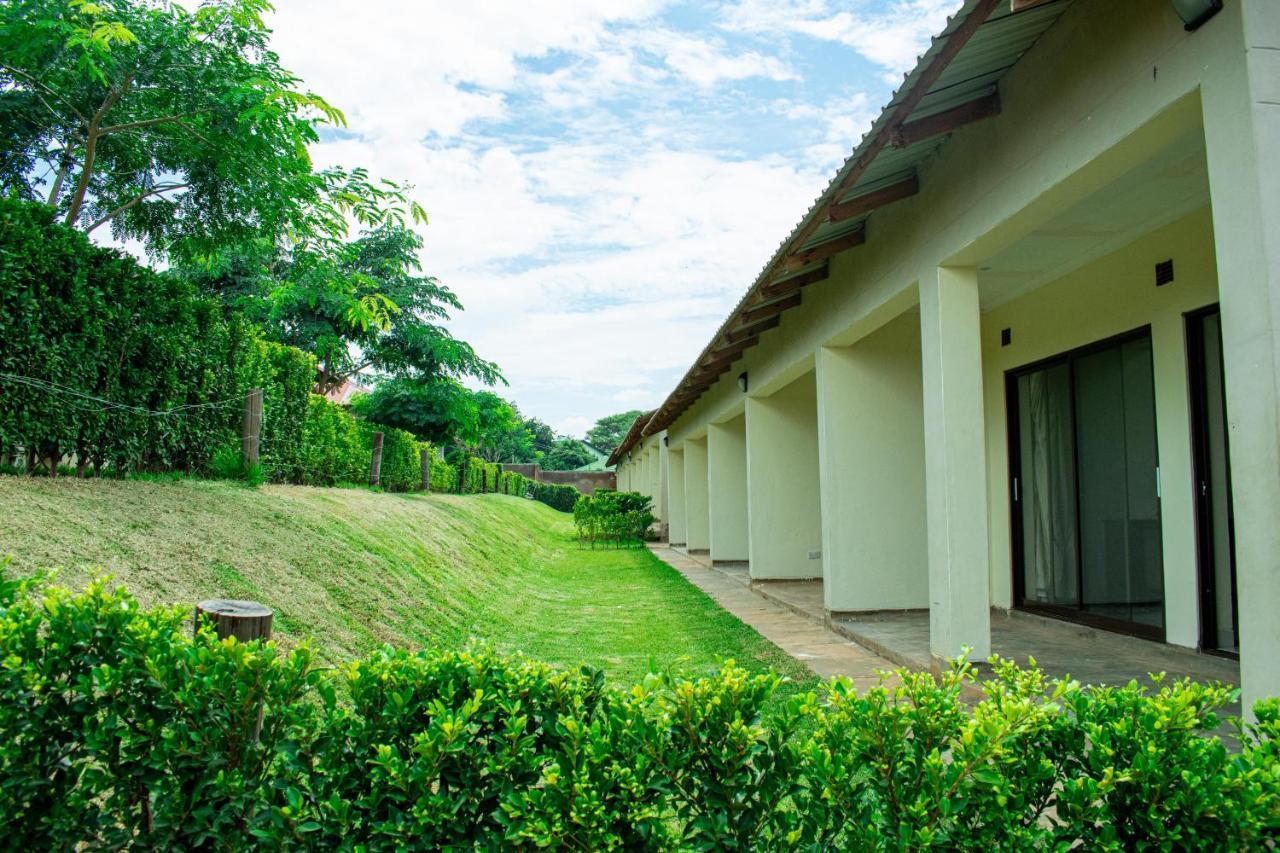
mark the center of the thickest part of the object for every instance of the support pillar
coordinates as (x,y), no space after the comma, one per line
(871,437)
(784,530)
(955,464)
(1240,96)
(697,519)
(727,490)
(677,524)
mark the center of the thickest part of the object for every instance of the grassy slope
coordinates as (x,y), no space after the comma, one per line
(354,569)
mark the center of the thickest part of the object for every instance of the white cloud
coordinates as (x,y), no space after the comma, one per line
(891,37)
(594,234)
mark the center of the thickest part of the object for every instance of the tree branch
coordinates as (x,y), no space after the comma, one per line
(151,122)
(17,72)
(135,200)
(90,147)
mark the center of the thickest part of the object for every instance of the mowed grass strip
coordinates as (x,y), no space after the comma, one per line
(352,569)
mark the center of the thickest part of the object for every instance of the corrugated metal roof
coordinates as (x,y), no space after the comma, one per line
(985,54)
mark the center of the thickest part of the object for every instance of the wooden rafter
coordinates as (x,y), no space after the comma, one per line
(785,286)
(822,251)
(744,332)
(947,121)
(1024,5)
(770,309)
(867,202)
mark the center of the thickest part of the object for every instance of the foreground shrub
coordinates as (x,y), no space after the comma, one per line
(619,518)
(120,728)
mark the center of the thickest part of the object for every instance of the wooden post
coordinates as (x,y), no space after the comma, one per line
(462,475)
(424,457)
(244,620)
(375,465)
(251,428)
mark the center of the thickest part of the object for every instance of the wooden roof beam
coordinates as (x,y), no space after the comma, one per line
(1024,5)
(867,202)
(744,332)
(786,286)
(822,251)
(770,309)
(947,121)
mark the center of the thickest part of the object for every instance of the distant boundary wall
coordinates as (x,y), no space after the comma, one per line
(584,481)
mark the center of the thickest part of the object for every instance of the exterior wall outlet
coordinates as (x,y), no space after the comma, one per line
(815,555)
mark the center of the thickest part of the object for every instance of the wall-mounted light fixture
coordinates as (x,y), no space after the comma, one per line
(1195,12)
(666,441)
(742,382)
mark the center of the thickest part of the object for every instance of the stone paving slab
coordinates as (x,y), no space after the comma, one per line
(823,651)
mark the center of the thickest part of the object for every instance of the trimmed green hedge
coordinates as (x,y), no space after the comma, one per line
(513,483)
(106,340)
(103,327)
(562,498)
(118,728)
(619,518)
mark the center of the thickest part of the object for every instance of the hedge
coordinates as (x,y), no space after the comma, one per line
(118,728)
(119,340)
(557,497)
(513,483)
(608,516)
(107,341)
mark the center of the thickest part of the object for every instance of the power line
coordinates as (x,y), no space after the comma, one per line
(110,405)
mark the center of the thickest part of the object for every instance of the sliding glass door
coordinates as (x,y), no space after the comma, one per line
(1085,486)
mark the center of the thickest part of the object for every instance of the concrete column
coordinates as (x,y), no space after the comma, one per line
(871,450)
(955,464)
(727,490)
(697,518)
(677,524)
(784,529)
(660,502)
(1240,96)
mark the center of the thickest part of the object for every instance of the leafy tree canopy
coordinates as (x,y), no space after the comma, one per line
(176,128)
(543,437)
(356,305)
(611,429)
(446,413)
(566,455)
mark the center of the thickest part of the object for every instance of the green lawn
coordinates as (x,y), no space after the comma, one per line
(353,569)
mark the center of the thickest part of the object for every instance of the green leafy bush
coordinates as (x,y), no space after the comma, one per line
(558,497)
(620,518)
(513,483)
(119,728)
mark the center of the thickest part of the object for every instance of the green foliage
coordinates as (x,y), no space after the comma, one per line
(513,483)
(609,431)
(354,304)
(119,728)
(176,128)
(121,343)
(620,518)
(337,447)
(555,496)
(567,454)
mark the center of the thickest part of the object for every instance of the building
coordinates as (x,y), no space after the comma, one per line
(1022,351)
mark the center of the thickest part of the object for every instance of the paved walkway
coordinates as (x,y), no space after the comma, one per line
(823,651)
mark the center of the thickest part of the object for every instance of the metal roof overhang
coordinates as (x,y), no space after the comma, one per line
(954,82)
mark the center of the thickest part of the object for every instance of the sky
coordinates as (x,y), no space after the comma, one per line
(604,178)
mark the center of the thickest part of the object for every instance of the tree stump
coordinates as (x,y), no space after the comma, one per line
(244,620)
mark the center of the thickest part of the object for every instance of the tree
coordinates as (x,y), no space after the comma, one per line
(502,435)
(543,437)
(567,454)
(356,305)
(442,411)
(609,431)
(176,128)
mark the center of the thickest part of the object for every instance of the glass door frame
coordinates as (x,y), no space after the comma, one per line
(1205,569)
(1013,443)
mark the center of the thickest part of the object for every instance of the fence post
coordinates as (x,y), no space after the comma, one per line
(244,620)
(462,476)
(375,465)
(251,428)
(424,457)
